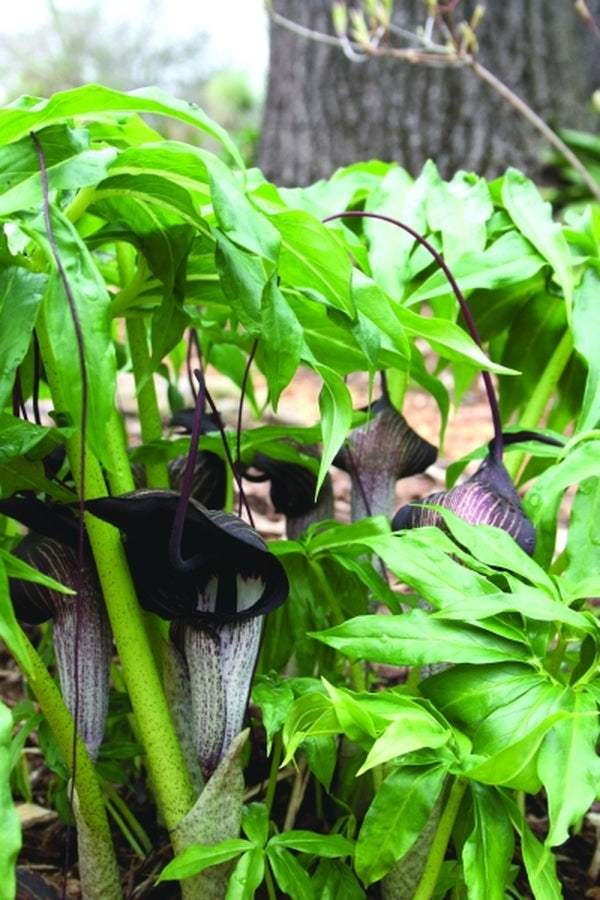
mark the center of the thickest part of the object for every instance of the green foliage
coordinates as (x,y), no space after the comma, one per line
(503,649)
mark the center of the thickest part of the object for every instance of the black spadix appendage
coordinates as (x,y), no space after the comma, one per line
(487,498)
(224,570)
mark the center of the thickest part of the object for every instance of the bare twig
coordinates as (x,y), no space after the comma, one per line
(297,795)
(581,7)
(458,53)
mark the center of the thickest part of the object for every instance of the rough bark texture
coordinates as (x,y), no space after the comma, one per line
(324,111)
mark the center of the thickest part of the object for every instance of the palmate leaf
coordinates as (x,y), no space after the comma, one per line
(459,210)
(30,113)
(510,260)
(70,164)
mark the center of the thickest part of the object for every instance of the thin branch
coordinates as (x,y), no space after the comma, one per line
(318,36)
(538,123)
(581,8)
(431,54)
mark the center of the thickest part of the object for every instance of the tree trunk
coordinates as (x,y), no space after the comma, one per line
(324,111)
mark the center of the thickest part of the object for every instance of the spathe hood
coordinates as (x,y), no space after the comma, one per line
(228,572)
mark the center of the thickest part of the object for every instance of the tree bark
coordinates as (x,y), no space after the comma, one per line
(324,111)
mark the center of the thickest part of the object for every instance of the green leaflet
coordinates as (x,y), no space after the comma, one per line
(291,878)
(329,846)
(20,438)
(391,249)
(70,164)
(511,258)
(459,209)
(93,311)
(198,857)
(568,765)
(281,342)
(396,818)
(21,292)
(488,850)
(314,260)
(10,631)
(335,405)
(540,863)
(583,559)
(586,324)
(447,339)
(581,463)
(416,639)
(533,217)
(247,875)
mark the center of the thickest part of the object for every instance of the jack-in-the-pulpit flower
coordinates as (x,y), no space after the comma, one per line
(292,492)
(215,591)
(377,454)
(81,631)
(487,498)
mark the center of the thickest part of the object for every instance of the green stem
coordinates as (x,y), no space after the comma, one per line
(275,763)
(165,760)
(269,882)
(543,391)
(80,203)
(431,873)
(357,675)
(157,475)
(91,805)
(127,822)
(556,658)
